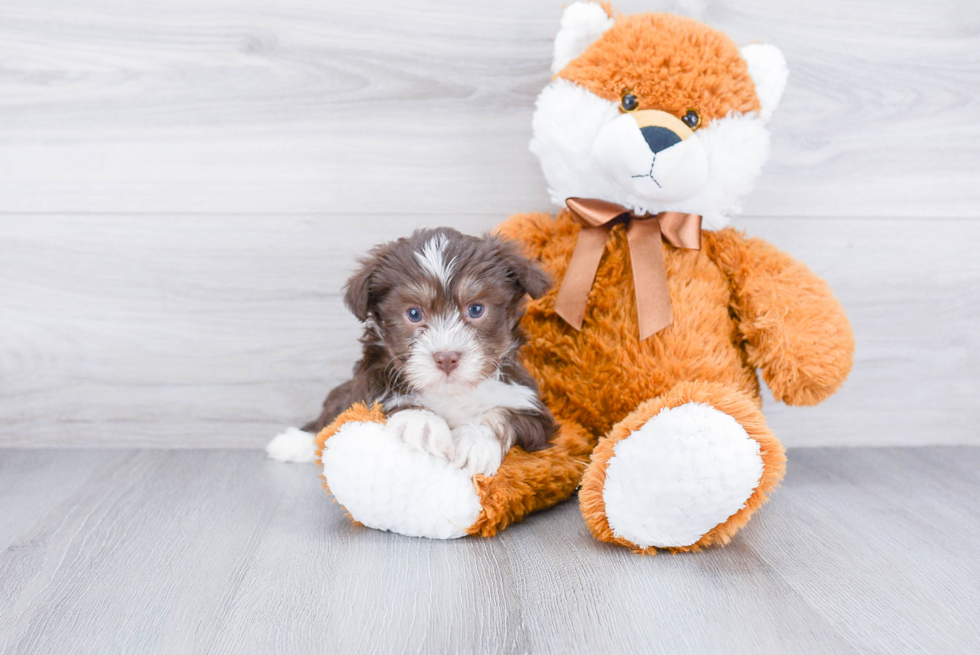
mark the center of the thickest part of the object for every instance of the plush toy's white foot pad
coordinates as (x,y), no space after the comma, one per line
(387,485)
(292,445)
(684,472)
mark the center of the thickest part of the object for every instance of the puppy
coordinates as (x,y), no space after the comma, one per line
(441,314)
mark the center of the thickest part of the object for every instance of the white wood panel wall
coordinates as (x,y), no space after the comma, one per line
(184,184)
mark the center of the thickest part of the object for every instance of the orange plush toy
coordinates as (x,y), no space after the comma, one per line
(651,132)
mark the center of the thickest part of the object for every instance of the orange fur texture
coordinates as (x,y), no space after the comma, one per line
(669,63)
(527,482)
(739,304)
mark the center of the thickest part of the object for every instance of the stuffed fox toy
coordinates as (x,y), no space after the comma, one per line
(651,132)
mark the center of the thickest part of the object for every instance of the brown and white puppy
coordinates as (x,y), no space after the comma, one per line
(441,313)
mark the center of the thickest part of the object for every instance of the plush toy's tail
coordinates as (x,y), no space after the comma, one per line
(292,445)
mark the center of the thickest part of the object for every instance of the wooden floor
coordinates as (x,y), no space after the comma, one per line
(179,551)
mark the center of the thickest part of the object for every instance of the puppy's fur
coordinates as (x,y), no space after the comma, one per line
(439,295)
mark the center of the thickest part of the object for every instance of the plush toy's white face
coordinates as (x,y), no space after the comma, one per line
(656,113)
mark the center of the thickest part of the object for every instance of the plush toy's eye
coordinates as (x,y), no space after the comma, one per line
(475,310)
(692,119)
(630,102)
(414,314)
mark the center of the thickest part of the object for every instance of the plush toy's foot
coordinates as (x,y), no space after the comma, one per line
(292,445)
(683,471)
(384,483)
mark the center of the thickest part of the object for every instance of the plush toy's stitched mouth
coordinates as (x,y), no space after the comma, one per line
(653,162)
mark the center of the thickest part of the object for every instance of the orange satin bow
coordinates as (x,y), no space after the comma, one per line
(644,234)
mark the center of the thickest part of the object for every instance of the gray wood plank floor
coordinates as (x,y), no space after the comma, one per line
(142,551)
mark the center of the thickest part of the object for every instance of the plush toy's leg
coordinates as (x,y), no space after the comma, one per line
(685,470)
(384,484)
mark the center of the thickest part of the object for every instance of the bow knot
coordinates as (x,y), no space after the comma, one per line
(644,235)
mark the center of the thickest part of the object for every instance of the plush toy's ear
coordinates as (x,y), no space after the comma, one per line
(767,66)
(581,24)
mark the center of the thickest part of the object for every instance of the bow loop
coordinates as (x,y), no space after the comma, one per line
(644,235)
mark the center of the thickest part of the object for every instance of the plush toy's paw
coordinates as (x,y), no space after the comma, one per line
(388,485)
(683,471)
(292,445)
(423,430)
(476,449)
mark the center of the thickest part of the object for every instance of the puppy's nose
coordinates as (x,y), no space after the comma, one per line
(447,361)
(659,138)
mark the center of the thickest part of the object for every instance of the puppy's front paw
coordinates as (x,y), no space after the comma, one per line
(478,450)
(423,430)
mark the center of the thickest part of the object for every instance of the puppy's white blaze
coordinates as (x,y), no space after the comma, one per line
(445,333)
(432,259)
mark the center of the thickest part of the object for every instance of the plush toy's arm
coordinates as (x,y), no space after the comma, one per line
(382,483)
(796,331)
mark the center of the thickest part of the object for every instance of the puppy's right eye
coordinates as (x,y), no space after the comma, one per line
(414,314)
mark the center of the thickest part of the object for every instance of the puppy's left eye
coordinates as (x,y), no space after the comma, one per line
(475,310)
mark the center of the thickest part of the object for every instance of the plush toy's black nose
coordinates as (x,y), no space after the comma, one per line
(659,138)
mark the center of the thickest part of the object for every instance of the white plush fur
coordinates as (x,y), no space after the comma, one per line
(684,472)
(767,67)
(671,175)
(568,120)
(292,445)
(581,24)
(389,486)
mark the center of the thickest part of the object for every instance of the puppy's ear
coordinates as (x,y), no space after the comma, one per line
(525,272)
(359,292)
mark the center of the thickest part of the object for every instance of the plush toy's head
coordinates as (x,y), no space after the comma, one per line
(655,112)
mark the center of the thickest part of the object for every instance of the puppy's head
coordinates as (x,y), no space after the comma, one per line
(445,306)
